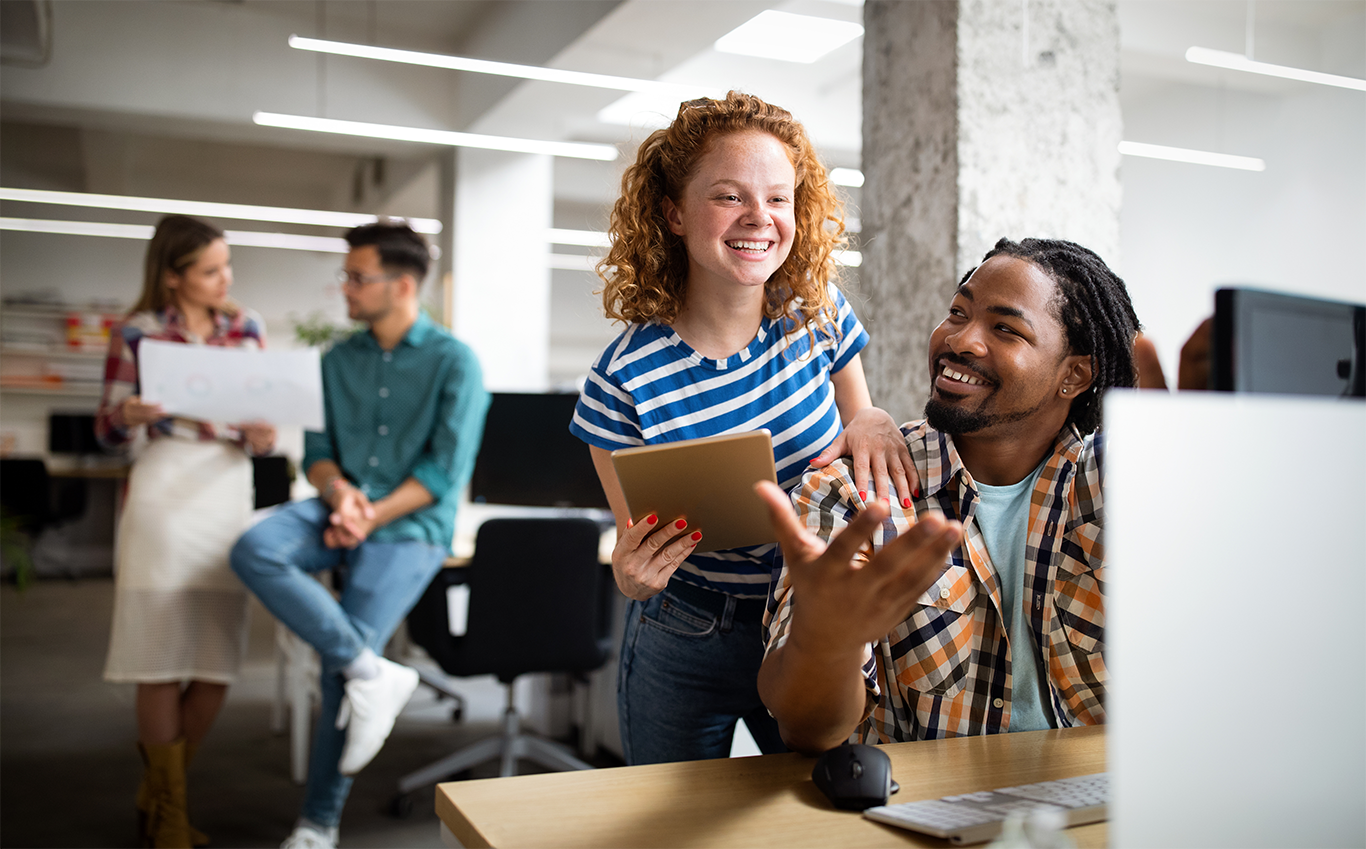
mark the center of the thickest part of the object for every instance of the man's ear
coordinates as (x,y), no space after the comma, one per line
(673,216)
(1077,375)
(408,283)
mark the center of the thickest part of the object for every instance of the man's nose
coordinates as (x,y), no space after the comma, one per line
(967,340)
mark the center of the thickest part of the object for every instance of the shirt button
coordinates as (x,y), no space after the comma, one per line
(383,430)
(374,461)
(388,357)
(384,392)
(944,593)
(998,703)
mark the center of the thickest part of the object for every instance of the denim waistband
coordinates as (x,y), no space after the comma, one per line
(748,609)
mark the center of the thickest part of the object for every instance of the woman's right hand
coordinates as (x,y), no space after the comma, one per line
(647,554)
(136,413)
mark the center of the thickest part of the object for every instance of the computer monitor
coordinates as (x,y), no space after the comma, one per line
(72,433)
(1287,344)
(529,457)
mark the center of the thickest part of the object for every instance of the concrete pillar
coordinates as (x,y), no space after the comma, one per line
(503,207)
(981,119)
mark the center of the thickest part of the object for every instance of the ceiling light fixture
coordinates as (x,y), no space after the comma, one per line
(1238,62)
(143,232)
(573,150)
(788,37)
(851,177)
(484,66)
(206,209)
(1196,157)
(586,238)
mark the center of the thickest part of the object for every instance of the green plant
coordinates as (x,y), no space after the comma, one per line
(316,330)
(16,549)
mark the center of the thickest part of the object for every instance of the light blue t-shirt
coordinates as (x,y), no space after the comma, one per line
(1003,518)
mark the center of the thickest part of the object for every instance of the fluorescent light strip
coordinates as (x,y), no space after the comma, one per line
(787,37)
(233,211)
(1196,157)
(573,150)
(143,232)
(1238,62)
(78,228)
(586,238)
(851,177)
(484,66)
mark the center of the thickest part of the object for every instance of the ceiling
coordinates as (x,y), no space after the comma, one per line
(147,85)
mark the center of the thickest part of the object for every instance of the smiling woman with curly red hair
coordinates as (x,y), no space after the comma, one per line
(722,267)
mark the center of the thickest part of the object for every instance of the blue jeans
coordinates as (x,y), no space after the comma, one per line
(383,581)
(689,669)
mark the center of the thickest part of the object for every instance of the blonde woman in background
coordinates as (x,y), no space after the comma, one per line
(180,614)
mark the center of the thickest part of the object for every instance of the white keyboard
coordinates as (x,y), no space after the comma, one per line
(977,817)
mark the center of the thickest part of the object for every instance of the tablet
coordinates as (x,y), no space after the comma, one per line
(710,481)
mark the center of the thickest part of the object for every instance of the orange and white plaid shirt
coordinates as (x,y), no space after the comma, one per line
(945,671)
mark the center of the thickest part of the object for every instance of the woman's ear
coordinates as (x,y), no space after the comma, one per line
(673,216)
(170,280)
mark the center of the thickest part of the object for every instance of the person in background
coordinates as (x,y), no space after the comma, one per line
(980,608)
(722,266)
(180,615)
(405,405)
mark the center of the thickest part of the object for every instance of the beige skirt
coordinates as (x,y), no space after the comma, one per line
(179,611)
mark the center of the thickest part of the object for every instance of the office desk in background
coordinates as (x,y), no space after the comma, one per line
(752,802)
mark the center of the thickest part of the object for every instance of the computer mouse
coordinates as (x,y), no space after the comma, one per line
(854,776)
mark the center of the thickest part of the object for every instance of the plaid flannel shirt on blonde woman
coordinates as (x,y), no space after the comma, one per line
(949,662)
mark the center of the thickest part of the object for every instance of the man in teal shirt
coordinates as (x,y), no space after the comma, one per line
(405,407)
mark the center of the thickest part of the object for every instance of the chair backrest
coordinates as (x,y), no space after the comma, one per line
(535,603)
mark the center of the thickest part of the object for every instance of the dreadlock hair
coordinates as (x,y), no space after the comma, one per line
(1095,311)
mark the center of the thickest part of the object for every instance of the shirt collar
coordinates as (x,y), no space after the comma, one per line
(173,319)
(414,338)
(942,463)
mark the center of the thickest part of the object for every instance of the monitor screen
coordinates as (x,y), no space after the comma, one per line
(72,433)
(1287,344)
(529,457)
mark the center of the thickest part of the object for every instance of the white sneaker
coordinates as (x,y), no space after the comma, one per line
(310,838)
(368,712)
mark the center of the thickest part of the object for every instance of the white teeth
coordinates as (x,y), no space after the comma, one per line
(962,378)
(750,246)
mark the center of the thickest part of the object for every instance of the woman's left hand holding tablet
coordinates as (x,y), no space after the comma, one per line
(648,553)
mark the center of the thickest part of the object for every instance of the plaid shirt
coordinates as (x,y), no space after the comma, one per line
(239,329)
(945,670)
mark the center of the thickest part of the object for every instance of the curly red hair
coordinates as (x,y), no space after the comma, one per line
(646,270)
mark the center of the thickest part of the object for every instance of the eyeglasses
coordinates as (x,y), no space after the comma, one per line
(357,280)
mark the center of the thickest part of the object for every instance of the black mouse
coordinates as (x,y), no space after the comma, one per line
(854,776)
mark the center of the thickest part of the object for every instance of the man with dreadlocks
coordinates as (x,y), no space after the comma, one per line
(980,608)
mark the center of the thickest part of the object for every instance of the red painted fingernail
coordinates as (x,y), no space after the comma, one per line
(630,524)
(862,495)
(917,492)
(905,502)
(681,524)
(697,535)
(653,518)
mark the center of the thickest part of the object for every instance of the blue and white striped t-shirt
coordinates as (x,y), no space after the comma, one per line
(650,387)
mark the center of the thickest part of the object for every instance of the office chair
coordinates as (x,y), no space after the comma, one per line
(535,605)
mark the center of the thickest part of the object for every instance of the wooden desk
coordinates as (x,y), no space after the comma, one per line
(749,802)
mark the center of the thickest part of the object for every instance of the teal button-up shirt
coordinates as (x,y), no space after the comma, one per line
(414,412)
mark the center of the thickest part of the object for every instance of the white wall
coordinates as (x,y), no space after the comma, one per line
(1299,226)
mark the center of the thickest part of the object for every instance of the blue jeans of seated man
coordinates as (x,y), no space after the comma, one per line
(275,559)
(689,669)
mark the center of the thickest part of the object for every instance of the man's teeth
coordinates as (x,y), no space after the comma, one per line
(749,246)
(963,378)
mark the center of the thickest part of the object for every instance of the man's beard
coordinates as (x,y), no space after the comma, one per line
(951,419)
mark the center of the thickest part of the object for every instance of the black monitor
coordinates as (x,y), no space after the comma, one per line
(1287,344)
(529,457)
(72,433)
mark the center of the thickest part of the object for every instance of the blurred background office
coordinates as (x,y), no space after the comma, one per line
(109,112)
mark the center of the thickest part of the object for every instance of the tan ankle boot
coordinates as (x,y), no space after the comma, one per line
(144,801)
(166,824)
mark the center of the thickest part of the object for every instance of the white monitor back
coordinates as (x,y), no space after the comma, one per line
(1236,553)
